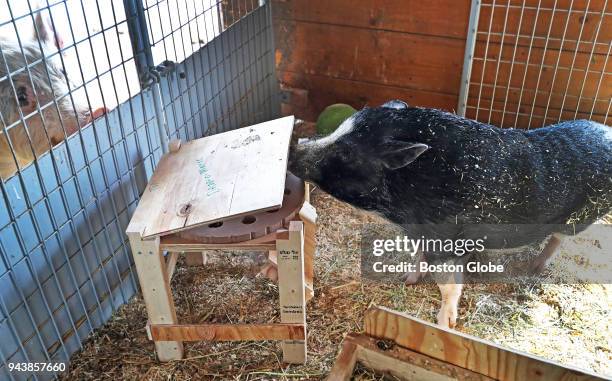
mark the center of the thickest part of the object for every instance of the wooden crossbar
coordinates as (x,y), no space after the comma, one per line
(226,332)
(215,246)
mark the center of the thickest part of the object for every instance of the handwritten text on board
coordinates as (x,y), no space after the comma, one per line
(211,185)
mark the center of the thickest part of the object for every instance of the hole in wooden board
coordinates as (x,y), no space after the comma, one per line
(248,219)
(217,224)
(384,345)
(185,209)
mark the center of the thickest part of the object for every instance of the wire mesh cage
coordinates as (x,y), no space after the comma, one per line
(90,92)
(538,62)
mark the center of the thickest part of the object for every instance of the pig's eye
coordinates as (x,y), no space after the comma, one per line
(22,96)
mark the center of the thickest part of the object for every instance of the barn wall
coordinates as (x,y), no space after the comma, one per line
(365,52)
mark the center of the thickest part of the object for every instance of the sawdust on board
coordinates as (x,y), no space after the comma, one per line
(246,141)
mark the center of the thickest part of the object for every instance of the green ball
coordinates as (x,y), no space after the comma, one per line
(332,117)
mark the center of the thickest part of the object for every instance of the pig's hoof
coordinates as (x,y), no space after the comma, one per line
(412,278)
(269,271)
(447,317)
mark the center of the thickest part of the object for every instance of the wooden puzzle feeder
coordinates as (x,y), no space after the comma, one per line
(226,191)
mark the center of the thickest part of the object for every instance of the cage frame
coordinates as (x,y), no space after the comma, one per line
(86,191)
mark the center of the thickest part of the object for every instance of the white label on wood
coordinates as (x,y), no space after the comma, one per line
(291,289)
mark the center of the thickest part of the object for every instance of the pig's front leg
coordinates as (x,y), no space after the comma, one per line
(450,285)
(447,316)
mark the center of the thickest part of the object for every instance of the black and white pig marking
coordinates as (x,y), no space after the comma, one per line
(416,165)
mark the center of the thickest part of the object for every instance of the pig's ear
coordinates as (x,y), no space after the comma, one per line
(45,32)
(400,154)
(396,104)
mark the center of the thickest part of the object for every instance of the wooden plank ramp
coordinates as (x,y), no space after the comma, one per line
(402,363)
(408,348)
(464,351)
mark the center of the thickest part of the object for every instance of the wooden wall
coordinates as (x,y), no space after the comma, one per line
(366,52)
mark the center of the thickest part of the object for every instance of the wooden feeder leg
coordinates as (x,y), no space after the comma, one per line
(154,283)
(549,251)
(291,289)
(196,258)
(308,215)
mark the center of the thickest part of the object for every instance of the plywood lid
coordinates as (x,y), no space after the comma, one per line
(215,178)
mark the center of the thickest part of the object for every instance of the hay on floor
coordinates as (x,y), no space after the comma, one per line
(569,324)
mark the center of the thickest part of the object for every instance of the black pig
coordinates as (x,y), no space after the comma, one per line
(424,166)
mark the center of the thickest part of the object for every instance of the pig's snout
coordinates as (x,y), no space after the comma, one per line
(83,118)
(295,154)
(72,119)
(97,113)
(301,161)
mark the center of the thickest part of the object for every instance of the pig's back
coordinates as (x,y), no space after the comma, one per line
(553,175)
(477,173)
(572,171)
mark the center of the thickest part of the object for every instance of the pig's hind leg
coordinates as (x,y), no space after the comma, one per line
(550,250)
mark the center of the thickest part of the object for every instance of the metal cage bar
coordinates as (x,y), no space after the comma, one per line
(548,64)
(68,195)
